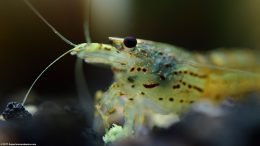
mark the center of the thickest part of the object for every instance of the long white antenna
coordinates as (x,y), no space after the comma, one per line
(48,24)
(82,87)
(57,59)
(87,22)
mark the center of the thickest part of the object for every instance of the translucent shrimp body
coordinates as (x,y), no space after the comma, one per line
(165,79)
(161,78)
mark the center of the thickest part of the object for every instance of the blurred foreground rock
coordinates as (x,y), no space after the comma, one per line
(239,125)
(66,124)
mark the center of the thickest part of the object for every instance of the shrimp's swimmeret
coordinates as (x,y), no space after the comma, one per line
(167,79)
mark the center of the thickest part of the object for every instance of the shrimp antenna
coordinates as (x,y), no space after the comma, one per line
(38,77)
(87,22)
(57,59)
(81,85)
(48,24)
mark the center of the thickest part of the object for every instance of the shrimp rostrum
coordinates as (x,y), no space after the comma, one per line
(166,79)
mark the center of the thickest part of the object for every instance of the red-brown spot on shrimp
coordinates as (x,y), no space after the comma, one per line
(151,85)
(131,79)
(167,65)
(131,99)
(116,69)
(176,86)
(202,76)
(121,94)
(182,82)
(195,88)
(144,69)
(196,75)
(107,49)
(132,69)
(198,88)
(193,74)
(114,86)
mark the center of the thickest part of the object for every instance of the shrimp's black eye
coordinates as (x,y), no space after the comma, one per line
(130,42)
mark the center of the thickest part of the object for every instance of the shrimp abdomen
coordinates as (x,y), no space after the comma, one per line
(233,73)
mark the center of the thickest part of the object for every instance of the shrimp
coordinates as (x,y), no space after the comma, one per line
(162,78)
(167,79)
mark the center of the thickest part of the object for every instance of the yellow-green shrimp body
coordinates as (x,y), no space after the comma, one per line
(167,79)
(161,77)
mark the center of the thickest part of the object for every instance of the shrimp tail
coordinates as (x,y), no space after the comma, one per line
(231,72)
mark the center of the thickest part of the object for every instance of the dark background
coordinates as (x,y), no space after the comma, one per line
(27,45)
